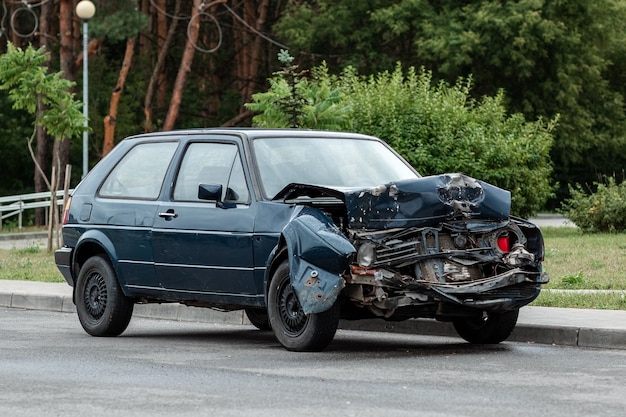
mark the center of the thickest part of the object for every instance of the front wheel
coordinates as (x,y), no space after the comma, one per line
(295,330)
(103,309)
(490,328)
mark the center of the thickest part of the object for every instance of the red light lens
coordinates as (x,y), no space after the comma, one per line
(66,211)
(503,244)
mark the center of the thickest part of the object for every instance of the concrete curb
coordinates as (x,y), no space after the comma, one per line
(541,325)
(23,236)
(525,333)
(59,302)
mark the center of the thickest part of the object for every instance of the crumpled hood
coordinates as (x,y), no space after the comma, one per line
(419,202)
(427,201)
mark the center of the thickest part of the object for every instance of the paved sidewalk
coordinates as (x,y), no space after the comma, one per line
(544,325)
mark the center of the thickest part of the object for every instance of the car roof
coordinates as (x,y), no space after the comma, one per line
(250,133)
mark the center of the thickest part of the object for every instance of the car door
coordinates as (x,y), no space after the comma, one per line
(122,214)
(203,249)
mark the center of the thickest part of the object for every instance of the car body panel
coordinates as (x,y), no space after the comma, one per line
(205,249)
(319,255)
(129,226)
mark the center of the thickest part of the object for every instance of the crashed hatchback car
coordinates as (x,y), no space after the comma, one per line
(298,228)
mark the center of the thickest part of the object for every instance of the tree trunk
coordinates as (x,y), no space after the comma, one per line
(61,154)
(109,120)
(158,75)
(255,18)
(249,45)
(53,209)
(43,140)
(162,41)
(239,58)
(185,67)
(15,39)
(213,96)
(92,48)
(144,36)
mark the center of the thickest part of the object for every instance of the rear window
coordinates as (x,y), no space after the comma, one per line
(140,173)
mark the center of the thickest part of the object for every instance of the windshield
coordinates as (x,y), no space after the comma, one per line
(329,162)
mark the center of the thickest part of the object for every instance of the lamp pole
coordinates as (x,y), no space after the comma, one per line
(85,10)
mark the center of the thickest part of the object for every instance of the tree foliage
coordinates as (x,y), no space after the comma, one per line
(25,76)
(117,21)
(551,57)
(233,49)
(26,79)
(436,127)
(48,99)
(293,100)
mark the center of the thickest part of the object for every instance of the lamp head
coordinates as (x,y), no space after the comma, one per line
(85,9)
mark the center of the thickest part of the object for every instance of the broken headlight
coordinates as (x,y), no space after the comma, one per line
(366,255)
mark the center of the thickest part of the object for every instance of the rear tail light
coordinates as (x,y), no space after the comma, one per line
(504,244)
(66,210)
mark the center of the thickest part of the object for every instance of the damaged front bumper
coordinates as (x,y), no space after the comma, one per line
(388,291)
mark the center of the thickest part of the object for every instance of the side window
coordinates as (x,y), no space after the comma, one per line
(140,173)
(212,163)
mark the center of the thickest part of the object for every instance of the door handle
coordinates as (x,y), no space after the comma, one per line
(168,215)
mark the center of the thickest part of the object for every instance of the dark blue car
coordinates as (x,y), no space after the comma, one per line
(299,228)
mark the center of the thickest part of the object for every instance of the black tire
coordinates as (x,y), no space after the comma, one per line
(490,328)
(295,330)
(259,318)
(103,309)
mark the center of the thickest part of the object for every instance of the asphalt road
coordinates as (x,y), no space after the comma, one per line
(50,367)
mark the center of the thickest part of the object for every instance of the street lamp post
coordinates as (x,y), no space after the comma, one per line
(85,10)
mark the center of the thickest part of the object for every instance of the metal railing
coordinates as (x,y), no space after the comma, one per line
(13,205)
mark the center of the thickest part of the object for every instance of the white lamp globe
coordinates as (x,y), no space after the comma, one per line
(85,9)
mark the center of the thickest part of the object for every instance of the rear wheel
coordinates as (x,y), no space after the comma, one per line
(103,309)
(490,328)
(259,318)
(295,330)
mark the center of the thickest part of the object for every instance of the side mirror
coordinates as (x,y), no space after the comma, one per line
(213,192)
(210,192)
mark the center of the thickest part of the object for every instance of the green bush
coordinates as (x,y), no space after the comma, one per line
(294,100)
(601,211)
(437,128)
